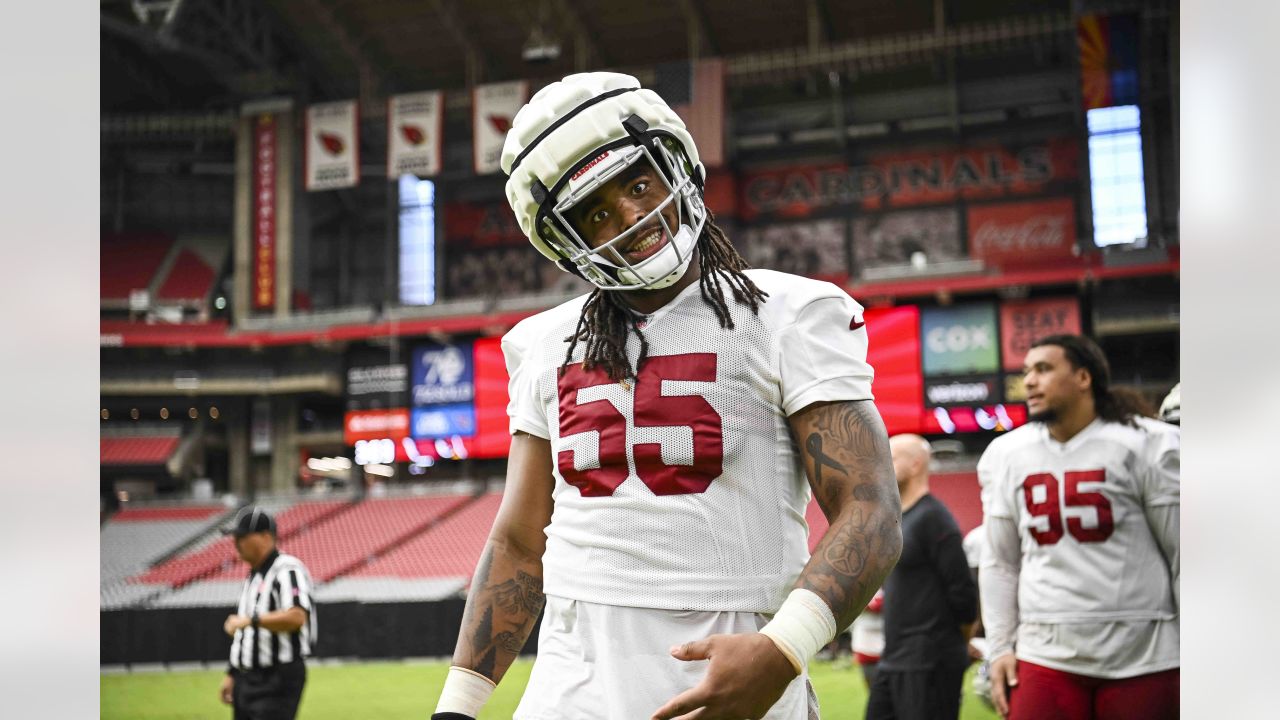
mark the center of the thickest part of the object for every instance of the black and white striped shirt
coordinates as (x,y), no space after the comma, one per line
(280,583)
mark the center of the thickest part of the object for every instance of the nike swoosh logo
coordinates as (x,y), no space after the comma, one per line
(855,323)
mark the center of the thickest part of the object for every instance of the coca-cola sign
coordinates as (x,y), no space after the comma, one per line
(1034,232)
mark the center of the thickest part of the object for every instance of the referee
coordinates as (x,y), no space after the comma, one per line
(274,628)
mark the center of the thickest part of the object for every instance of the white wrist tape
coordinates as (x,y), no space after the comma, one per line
(465,692)
(802,626)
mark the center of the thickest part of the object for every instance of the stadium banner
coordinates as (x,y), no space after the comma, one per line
(492,109)
(1108,46)
(332,147)
(960,340)
(415,127)
(890,239)
(443,391)
(1034,232)
(264,212)
(1022,322)
(391,423)
(813,248)
(902,179)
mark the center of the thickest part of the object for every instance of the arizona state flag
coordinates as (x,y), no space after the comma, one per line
(1108,60)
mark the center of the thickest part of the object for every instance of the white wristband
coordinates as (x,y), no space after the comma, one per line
(465,692)
(801,627)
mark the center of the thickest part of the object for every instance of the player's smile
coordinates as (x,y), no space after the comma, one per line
(646,244)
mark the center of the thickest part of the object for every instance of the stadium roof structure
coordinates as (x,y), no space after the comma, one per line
(202,54)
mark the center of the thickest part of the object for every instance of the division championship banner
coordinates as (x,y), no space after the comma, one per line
(415,123)
(332,146)
(492,109)
(264,212)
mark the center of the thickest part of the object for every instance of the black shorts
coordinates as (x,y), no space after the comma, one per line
(917,694)
(269,693)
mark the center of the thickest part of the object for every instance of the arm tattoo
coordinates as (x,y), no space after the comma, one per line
(814,446)
(499,615)
(859,496)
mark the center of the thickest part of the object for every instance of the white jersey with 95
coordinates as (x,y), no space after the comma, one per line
(1095,592)
(682,489)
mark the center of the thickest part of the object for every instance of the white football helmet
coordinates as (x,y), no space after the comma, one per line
(1171,408)
(577,134)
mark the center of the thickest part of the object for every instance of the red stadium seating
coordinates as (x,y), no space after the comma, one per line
(351,538)
(450,549)
(221,554)
(190,279)
(957,490)
(156,514)
(136,450)
(129,263)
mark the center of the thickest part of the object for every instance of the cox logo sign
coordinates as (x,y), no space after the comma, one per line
(960,340)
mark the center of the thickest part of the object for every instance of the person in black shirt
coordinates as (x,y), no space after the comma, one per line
(930,603)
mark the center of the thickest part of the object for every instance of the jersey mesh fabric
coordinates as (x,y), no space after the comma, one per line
(1103,609)
(741,543)
(1123,577)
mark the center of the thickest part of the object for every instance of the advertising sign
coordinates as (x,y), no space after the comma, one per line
(902,179)
(964,391)
(1036,232)
(894,351)
(960,340)
(493,437)
(332,146)
(886,239)
(1025,321)
(444,421)
(415,123)
(492,109)
(443,390)
(391,380)
(374,424)
(264,212)
(813,248)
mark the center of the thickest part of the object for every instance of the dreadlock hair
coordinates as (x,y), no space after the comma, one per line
(1120,405)
(606,318)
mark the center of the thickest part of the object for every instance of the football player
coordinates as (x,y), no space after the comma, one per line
(664,427)
(1079,577)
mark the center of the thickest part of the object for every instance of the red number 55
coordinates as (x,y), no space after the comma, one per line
(652,409)
(1048,508)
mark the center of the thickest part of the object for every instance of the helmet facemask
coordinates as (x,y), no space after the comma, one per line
(608,266)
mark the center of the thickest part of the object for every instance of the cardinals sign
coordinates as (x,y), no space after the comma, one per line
(492,108)
(414,127)
(332,146)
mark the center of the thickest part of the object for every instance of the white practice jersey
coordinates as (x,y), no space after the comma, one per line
(1095,591)
(684,490)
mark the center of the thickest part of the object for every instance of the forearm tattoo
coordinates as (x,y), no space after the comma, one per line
(852,477)
(499,615)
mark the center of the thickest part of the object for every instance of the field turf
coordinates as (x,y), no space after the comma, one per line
(408,690)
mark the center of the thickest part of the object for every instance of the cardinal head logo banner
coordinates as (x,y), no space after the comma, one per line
(415,122)
(492,109)
(332,145)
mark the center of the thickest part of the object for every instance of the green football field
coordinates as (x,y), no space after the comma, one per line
(407,690)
